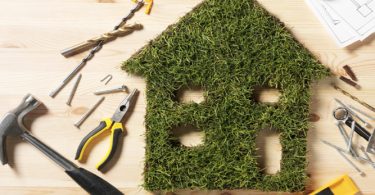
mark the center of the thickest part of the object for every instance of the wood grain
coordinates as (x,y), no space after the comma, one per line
(33,32)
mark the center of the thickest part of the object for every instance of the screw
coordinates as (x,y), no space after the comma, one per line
(119,89)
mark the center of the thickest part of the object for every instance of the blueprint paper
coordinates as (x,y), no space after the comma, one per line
(359,14)
(347,20)
(344,35)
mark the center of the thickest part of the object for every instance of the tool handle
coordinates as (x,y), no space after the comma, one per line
(87,180)
(117,132)
(103,126)
(92,183)
(359,129)
(3,151)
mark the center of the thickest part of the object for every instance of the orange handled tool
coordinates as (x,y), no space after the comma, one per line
(148,3)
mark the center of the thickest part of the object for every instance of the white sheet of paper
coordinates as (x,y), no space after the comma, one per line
(342,32)
(359,14)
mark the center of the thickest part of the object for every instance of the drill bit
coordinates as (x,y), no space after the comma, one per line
(354,98)
(93,51)
(104,37)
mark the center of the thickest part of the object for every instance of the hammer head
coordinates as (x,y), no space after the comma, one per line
(12,123)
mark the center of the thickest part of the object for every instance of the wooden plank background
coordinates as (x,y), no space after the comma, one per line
(33,32)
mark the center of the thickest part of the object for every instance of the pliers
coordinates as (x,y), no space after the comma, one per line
(114,125)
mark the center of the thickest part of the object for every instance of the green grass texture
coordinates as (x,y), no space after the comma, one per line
(228,48)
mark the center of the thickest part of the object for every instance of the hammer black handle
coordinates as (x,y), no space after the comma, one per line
(92,183)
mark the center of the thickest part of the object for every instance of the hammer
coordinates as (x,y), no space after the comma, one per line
(12,125)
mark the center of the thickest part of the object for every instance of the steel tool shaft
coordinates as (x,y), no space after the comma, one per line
(354,98)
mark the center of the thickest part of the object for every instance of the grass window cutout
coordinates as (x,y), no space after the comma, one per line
(228,47)
(266,95)
(269,151)
(188,136)
(192,94)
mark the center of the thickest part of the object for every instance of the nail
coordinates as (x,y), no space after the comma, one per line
(74,89)
(362,112)
(341,151)
(88,113)
(367,156)
(353,113)
(351,136)
(346,139)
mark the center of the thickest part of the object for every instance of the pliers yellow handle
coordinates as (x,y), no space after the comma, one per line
(117,130)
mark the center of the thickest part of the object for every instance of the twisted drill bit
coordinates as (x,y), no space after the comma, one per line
(94,50)
(354,98)
(106,37)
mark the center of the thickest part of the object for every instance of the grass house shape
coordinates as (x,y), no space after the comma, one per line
(228,48)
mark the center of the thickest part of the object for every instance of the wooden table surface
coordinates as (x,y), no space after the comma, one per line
(33,32)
